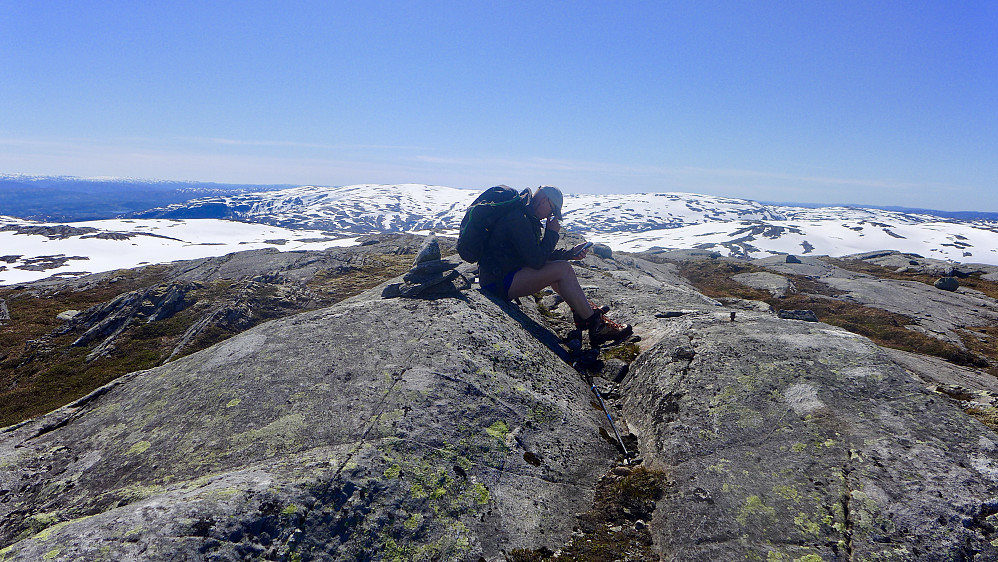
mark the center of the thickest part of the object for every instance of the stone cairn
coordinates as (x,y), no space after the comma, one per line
(430,276)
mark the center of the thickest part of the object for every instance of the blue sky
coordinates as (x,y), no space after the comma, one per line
(883,103)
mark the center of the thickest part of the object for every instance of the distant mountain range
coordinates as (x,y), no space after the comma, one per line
(199,223)
(68,198)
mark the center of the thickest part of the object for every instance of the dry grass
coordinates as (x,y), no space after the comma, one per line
(713,278)
(40,372)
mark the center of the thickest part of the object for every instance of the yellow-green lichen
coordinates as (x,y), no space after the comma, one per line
(413,521)
(233,403)
(806,525)
(51,554)
(481,493)
(755,510)
(499,430)
(393,471)
(47,533)
(788,493)
(139,448)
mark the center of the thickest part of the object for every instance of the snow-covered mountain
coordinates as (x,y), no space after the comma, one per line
(309,217)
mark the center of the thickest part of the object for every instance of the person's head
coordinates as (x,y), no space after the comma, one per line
(547,201)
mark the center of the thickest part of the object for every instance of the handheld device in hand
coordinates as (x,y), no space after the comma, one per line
(584,247)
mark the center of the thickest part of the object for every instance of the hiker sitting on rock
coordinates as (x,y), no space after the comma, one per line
(517,261)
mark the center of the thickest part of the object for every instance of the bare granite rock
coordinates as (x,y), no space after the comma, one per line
(786,440)
(453,429)
(777,285)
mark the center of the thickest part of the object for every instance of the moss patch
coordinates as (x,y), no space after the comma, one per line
(627,352)
(610,530)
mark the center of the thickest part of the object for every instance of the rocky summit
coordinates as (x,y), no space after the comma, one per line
(450,426)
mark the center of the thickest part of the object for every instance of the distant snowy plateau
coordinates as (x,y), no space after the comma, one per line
(314,218)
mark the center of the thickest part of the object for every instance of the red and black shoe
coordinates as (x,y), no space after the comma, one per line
(581,323)
(602,329)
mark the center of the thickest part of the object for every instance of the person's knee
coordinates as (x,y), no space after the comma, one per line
(564,270)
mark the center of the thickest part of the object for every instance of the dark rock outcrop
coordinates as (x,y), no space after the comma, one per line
(108,320)
(947,284)
(804,315)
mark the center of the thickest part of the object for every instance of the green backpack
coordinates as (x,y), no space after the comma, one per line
(483,214)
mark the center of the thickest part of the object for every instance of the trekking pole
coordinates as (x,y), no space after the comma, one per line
(599,397)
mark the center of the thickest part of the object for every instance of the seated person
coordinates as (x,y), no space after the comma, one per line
(518,262)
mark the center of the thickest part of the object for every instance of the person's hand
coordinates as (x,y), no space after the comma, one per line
(578,253)
(552,224)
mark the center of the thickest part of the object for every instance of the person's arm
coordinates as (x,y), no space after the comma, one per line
(533,253)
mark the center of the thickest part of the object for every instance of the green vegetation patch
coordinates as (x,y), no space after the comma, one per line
(610,529)
(627,352)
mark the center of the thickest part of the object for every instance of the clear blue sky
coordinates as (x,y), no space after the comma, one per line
(889,103)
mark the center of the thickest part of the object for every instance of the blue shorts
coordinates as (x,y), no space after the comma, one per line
(507,282)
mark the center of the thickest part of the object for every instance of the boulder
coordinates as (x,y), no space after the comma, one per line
(603,251)
(367,428)
(805,315)
(947,283)
(67,315)
(792,259)
(799,441)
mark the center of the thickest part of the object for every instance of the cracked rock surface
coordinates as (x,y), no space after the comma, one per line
(787,439)
(451,428)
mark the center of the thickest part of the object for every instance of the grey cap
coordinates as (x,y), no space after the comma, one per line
(554,196)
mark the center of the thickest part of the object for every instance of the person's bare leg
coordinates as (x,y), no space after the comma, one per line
(560,276)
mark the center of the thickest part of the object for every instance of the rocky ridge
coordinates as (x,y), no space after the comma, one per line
(451,427)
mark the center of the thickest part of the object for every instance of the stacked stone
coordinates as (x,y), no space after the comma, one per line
(430,276)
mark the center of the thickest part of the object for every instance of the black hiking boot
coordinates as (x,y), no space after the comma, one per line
(580,323)
(602,330)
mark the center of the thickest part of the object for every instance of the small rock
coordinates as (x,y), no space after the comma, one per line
(602,251)
(639,524)
(429,252)
(947,283)
(669,314)
(792,259)
(430,267)
(65,315)
(805,315)
(621,471)
(436,285)
(616,529)
(684,353)
(614,370)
